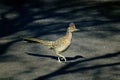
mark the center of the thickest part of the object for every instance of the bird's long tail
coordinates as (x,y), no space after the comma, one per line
(44,42)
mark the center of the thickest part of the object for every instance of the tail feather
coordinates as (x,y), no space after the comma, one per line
(44,42)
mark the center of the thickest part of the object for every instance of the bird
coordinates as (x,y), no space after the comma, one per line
(59,45)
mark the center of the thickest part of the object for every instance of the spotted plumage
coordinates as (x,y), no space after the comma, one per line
(59,45)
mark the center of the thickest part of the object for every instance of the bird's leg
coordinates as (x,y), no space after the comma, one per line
(61,56)
(59,59)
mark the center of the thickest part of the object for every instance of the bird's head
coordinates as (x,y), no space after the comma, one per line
(72,28)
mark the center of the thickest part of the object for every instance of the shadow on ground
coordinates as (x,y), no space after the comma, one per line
(56,58)
(96,20)
(68,68)
(18,15)
(4,47)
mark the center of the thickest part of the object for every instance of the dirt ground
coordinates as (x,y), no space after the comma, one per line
(93,55)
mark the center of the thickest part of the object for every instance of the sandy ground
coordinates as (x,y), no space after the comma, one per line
(93,55)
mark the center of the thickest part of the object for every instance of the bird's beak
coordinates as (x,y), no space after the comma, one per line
(77,30)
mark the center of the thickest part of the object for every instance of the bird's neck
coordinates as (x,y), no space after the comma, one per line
(69,35)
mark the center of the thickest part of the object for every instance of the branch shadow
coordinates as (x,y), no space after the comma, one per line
(66,69)
(54,57)
(8,58)
(26,12)
(62,12)
(110,9)
(4,47)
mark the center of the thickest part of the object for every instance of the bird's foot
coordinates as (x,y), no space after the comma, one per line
(63,60)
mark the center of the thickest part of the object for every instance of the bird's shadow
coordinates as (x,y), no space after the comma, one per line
(54,57)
